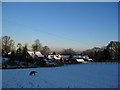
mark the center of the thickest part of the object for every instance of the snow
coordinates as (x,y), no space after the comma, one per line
(90,75)
(80,60)
(32,53)
(57,57)
(0,79)
(0,59)
(39,54)
(0,73)
(3,59)
(65,56)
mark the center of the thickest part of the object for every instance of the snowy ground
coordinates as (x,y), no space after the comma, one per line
(0,79)
(90,75)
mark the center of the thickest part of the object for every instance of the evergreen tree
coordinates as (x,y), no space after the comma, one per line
(12,56)
(19,52)
(25,53)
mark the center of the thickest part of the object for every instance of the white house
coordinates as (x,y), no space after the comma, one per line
(57,57)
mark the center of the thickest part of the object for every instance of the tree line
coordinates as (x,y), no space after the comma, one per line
(8,45)
(111,52)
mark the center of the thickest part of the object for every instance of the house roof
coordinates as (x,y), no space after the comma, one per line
(37,53)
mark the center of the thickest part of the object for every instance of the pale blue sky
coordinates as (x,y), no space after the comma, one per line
(0,19)
(61,25)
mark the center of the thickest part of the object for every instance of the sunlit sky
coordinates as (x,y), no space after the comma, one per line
(76,25)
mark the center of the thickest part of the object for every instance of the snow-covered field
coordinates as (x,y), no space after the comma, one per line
(0,79)
(90,75)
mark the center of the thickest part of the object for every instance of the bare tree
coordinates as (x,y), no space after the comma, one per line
(45,50)
(7,44)
(69,51)
(37,46)
(19,45)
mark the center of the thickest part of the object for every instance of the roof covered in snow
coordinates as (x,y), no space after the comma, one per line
(37,53)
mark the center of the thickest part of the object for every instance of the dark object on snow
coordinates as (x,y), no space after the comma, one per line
(32,73)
